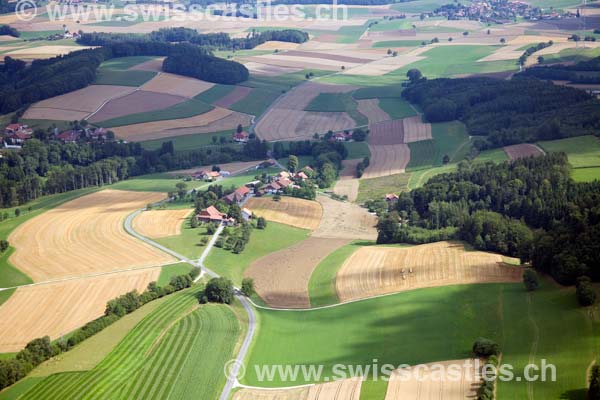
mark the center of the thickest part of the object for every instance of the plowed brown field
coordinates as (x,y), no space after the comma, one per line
(136,102)
(415,130)
(281,278)
(370,108)
(372,271)
(524,150)
(84,236)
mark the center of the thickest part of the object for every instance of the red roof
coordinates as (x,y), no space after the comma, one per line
(69,136)
(241,135)
(20,135)
(212,213)
(242,190)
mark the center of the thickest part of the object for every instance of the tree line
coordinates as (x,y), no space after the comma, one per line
(222,41)
(41,349)
(47,167)
(504,112)
(582,72)
(528,208)
(9,30)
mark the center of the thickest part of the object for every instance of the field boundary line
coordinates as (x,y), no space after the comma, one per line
(93,275)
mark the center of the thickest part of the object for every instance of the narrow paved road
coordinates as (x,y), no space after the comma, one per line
(232,381)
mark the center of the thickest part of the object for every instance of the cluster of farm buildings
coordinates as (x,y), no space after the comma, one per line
(276,184)
(498,11)
(15,135)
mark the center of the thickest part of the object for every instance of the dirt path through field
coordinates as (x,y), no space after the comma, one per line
(281,278)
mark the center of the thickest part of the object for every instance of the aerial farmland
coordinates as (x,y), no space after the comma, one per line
(365,200)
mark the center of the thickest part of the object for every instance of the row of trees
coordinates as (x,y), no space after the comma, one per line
(39,350)
(532,49)
(582,72)
(49,167)
(529,208)
(507,112)
(223,41)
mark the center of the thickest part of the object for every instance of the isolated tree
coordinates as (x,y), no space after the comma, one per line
(531,280)
(219,290)
(395,54)
(502,40)
(181,189)
(17,212)
(3,245)
(389,52)
(450,39)
(248,286)
(485,347)
(586,295)
(216,168)
(215,139)
(261,223)
(594,389)
(292,163)
(540,59)
(239,128)
(359,135)
(414,75)
(193,222)
(446,159)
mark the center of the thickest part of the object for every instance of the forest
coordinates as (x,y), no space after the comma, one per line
(582,72)
(504,112)
(529,208)
(47,167)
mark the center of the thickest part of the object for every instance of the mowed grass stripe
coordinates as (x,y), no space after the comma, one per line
(151,385)
(124,360)
(131,356)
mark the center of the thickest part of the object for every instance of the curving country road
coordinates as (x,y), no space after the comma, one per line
(232,381)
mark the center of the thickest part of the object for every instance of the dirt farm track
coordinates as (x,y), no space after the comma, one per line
(84,236)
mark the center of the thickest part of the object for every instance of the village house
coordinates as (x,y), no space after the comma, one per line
(70,136)
(237,196)
(272,188)
(301,176)
(212,214)
(341,137)
(208,176)
(391,197)
(246,214)
(241,137)
(15,135)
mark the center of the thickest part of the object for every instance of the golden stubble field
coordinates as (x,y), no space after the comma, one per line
(301,213)
(156,224)
(347,389)
(55,309)
(372,271)
(84,236)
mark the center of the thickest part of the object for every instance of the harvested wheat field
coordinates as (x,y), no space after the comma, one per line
(347,389)
(281,278)
(415,130)
(286,119)
(137,102)
(176,85)
(42,52)
(276,45)
(344,220)
(84,236)
(239,93)
(301,213)
(373,271)
(83,101)
(510,52)
(523,150)
(160,223)
(344,58)
(456,380)
(348,184)
(154,65)
(216,120)
(281,60)
(388,64)
(269,70)
(55,309)
(370,108)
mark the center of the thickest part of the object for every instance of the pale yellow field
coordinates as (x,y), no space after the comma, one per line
(277,45)
(438,380)
(84,236)
(160,223)
(370,108)
(176,85)
(43,51)
(415,130)
(348,389)
(373,271)
(80,102)
(301,213)
(55,309)
(269,70)
(345,220)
